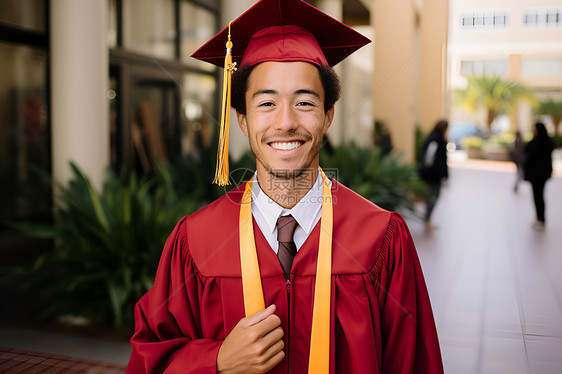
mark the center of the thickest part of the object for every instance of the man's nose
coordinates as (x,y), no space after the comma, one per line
(287,119)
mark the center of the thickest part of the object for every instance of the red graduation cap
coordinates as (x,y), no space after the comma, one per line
(274,30)
(283,30)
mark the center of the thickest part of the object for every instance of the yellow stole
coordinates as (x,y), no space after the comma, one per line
(319,358)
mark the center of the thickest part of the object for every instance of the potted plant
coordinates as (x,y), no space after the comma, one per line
(473,145)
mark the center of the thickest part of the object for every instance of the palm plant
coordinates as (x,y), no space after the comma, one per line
(107,246)
(496,94)
(553,109)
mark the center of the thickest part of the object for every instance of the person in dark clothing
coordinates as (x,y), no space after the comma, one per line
(434,166)
(383,140)
(538,169)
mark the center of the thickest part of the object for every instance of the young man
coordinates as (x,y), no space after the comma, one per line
(291,272)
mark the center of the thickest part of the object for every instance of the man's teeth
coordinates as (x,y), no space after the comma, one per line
(285,145)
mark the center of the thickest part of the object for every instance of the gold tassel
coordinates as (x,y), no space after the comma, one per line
(221,172)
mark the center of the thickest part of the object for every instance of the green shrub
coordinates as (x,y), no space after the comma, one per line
(473,142)
(557,139)
(420,138)
(107,246)
(194,174)
(381,179)
(505,138)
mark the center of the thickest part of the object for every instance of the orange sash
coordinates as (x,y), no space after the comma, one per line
(319,358)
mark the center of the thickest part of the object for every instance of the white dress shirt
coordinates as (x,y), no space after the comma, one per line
(307,213)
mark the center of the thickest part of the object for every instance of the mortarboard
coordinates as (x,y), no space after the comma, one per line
(274,30)
(336,40)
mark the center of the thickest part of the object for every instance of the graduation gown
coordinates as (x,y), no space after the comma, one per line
(381,318)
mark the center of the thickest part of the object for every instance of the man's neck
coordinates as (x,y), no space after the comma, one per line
(287,189)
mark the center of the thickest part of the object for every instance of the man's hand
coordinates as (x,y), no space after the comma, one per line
(255,344)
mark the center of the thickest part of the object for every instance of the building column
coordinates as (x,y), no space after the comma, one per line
(79,83)
(395,71)
(433,62)
(339,127)
(514,74)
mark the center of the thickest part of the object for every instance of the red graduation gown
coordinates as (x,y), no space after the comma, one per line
(381,315)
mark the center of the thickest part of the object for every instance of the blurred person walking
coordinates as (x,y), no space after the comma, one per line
(383,140)
(538,169)
(434,167)
(517,155)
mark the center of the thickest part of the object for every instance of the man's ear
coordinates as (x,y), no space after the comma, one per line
(329,119)
(242,122)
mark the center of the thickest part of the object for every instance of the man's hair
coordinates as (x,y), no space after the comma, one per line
(328,77)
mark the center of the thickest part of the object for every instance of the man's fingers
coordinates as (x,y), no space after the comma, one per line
(273,336)
(258,316)
(274,360)
(271,322)
(274,349)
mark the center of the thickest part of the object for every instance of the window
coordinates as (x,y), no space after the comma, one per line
(24,133)
(25,151)
(198,111)
(489,67)
(541,68)
(26,14)
(149,27)
(197,25)
(112,24)
(24,111)
(496,19)
(162,99)
(542,17)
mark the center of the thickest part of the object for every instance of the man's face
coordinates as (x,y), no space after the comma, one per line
(285,118)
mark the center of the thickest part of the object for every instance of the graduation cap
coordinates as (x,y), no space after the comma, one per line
(274,30)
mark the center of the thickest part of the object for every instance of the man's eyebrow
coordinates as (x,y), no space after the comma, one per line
(306,91)
(264,91)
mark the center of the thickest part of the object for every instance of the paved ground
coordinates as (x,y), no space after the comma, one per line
(25,362)
(495,284)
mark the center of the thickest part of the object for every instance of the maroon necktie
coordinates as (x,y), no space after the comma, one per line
(286,226)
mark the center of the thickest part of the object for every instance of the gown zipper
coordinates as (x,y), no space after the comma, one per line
(288,284)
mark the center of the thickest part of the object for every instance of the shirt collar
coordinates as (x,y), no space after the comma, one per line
(304,211)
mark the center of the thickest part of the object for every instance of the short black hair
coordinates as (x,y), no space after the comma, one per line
(328,77)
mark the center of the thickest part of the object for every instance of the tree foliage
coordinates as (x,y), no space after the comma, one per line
(496,94)
(552,108)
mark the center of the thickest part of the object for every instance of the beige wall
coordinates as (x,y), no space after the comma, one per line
(394,99)
(410,67)
(355,106)
(433,62)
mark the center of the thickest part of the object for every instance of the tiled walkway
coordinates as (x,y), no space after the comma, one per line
(494,282)
(25,362)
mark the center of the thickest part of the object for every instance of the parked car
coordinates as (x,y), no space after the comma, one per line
(460,130)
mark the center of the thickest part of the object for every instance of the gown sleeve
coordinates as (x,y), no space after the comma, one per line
(167,337)
(409,336)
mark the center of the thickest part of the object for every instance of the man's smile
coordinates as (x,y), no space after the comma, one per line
(286,145)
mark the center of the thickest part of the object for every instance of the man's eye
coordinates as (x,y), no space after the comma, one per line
(268,103)
(305,103)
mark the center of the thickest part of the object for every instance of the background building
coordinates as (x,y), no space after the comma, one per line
(111,84)
(516,39)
